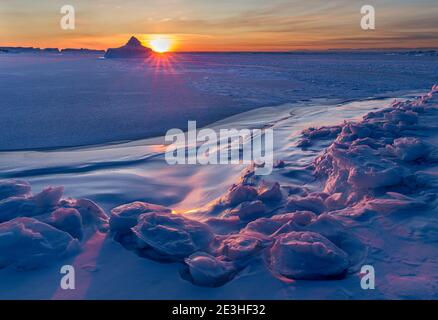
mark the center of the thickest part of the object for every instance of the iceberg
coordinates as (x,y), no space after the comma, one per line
(132,49)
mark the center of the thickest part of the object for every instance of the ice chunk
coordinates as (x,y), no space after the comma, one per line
(368,142)
(322,132)
(41,203)
(304,143)
(242,246)
(171,236)
(206,270)
(307,255)
(49,197)
(68,220)
(335,201)
(265,226)
(91,213)
(249,210)
(27,243)
(270,193)
(13,188)
(224,225)
(409,149)
(18,207)
(132,49)
(399,115)
(334,229)
(360,130)
(390,206)
(125,216)
(241,193)
(268,226)
(310,203)
(371,177)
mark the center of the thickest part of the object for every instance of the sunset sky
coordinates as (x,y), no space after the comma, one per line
(225,25)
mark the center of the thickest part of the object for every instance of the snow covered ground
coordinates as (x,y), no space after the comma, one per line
(355,184)
(364,191)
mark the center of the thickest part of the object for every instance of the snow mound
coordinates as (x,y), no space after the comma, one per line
(26,243)
(307,255)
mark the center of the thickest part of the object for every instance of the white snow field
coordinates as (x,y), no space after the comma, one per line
(354,184)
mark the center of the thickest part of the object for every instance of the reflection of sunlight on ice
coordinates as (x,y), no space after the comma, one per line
(182,211)
(163,62)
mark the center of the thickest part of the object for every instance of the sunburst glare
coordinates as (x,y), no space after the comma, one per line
(160,44)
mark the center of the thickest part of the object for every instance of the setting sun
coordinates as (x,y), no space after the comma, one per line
(160,45)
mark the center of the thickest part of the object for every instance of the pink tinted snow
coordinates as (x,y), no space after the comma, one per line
(376,167)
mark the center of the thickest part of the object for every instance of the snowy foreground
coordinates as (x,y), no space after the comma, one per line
(358,193)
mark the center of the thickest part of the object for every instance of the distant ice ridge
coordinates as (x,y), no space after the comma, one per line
(369,198)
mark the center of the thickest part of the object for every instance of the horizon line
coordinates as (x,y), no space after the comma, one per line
(238,51)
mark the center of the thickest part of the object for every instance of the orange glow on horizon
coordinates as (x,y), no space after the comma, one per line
(204,43)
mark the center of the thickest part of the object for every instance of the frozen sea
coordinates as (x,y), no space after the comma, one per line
(50,101)
(95,127)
